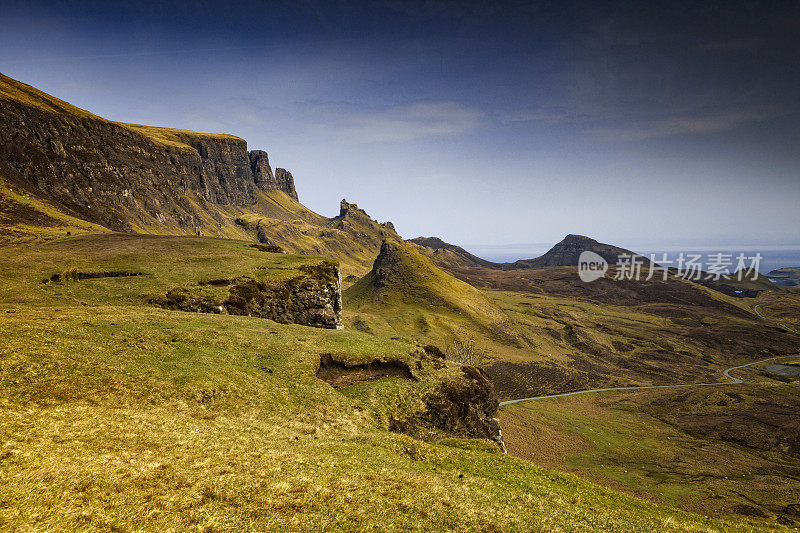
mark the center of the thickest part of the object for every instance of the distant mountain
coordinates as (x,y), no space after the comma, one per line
(785,277)
(567,252)
(449,255)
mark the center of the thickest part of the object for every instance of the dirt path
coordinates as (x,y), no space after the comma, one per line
(726,373)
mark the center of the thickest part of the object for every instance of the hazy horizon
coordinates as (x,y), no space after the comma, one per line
(484,125)
(773,257)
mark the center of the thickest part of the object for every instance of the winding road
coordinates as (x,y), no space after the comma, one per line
(726,373)
(784,326)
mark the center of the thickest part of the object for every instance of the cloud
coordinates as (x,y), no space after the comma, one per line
(550,115)
(354,124)
(690,124)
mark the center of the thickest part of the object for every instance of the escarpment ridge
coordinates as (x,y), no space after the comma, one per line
(126,177)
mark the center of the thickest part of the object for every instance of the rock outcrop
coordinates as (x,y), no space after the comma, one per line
(262,172)
(285,182)
(314,299)
(463,407)
(311,299)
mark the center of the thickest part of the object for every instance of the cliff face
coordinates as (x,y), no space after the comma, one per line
(144,179)
(285,182)
(120,175)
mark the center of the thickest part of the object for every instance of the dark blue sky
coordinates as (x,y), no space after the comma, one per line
(484,123)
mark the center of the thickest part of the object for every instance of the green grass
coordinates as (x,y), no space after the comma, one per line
(418,300)
(12,89)
(119,416)
(613,440)
(164,262)
(172,136)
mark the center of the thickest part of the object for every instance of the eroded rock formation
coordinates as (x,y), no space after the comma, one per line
(311,299)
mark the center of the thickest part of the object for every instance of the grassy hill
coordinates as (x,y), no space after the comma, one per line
(120,415)
(448,256)
(406,293)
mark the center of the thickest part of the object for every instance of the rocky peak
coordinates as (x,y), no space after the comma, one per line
(577,240)
(285,182)
(567,252)
(434,243)
(262,172)
(346,208)
(386,264)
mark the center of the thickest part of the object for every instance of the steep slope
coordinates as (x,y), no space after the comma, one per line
(25,218)
(406,285)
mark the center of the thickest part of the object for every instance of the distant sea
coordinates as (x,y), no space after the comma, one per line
(773,257)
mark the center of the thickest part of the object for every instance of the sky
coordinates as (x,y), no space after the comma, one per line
(493,125)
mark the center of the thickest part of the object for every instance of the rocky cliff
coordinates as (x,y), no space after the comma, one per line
(124,176)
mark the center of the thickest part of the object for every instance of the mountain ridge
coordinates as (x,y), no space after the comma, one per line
(64,170)
(126,176)
(564,253)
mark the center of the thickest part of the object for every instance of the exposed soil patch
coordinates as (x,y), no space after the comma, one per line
(731,290)
(340,375)
(217,282)
(73,274)
(749,510)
